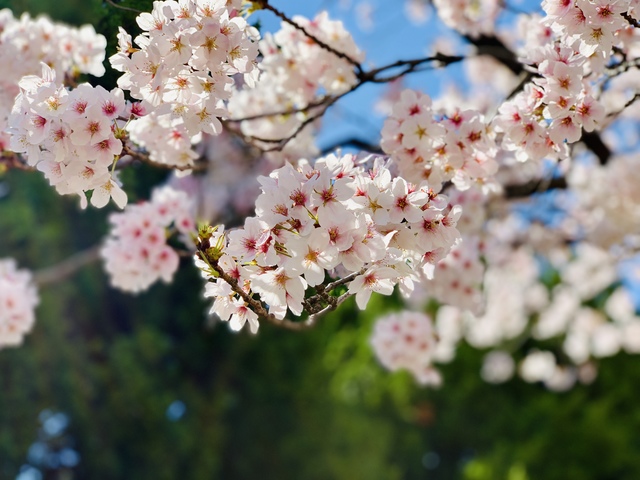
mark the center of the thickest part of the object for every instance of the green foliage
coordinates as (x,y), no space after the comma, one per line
(74,12)
(282,405)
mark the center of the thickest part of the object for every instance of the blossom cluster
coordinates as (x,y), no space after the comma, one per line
(608,204)
(136,253)
(555,109)
(458,277)
(34,40)
(182,68)
(334,218)
(27,42)
(228,189)
(18,299)
(294,69)
(561,317)
(438,146)
(407,340)
(70,136)
(592,24)
(303,66)
(469,17)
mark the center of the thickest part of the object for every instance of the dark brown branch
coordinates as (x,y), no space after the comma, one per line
(408,66)
(494,47)
(345,280)
(372,76)
(632,21)
(255,305)
(310,322)
(316,103)
(622,67)
(534,186)
(594,142)
(526,78)
(327,101)
(630,102)
(280,143)
(316,305)
(352,142)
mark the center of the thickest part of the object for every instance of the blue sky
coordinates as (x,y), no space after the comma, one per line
(392,37)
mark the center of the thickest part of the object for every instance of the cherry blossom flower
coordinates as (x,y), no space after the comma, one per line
(407,340)
(136,252)
(18,299)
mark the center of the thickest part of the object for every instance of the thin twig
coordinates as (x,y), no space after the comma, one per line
(344,280)
(365,77)
(526,78)
(622,67)
(114,4)
(280,143)
(310,322)
(67,267)
(316,103)
(264,4)
(408,66)
(327,101)
(255,305)
(144,158)
(630,102)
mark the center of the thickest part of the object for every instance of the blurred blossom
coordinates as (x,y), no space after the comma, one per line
(497,367)
(364,16)
(538,366)
(417,11)
(562,379)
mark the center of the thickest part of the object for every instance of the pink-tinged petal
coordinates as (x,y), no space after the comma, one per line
(362,298)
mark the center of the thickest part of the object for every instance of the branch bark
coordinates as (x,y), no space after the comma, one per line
(67,267)
(534,186)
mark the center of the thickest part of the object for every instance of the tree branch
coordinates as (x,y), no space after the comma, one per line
(323,103)
(352,142)
(198,166)
(114,4)
(494,47)
(632,21)
(364,77)
(594,142)
(534,186)
(264,4)
(67,267)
